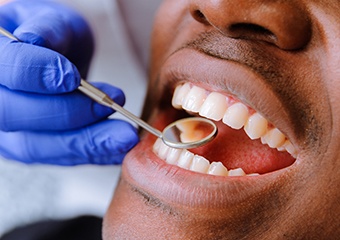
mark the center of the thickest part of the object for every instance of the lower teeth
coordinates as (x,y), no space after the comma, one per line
(187,160)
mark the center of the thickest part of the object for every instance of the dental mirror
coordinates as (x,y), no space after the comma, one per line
(184,133)
(189,132)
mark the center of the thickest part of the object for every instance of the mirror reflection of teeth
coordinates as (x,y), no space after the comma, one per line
(233,113)
(193,131)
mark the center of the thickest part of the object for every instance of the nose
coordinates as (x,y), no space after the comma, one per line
(283,23)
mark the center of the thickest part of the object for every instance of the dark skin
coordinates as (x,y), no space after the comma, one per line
(281,58)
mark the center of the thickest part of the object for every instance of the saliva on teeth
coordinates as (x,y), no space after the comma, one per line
(192,162)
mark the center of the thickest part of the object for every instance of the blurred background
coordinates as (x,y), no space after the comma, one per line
(30,193)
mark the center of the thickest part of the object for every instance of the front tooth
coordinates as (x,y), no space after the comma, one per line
(180,93)
(199,164)
(274,138)
(173,155)
(194,99)
(236,116)
(157,145)
(163,151)
(256,126)
(214,106)
(185,159)
(217,169)
(236,172)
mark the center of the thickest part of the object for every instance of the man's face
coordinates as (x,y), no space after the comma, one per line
(267,72)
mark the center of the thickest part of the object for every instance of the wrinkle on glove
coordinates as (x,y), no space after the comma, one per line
(36,69)
(57,29)
(32,111)
(103,143)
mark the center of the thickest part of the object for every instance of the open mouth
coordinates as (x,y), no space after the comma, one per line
(247,144)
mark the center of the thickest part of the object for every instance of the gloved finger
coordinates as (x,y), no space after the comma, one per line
(51,25)
(29,111)
(106,142)
(35,69)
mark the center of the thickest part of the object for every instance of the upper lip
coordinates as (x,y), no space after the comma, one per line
(229,78)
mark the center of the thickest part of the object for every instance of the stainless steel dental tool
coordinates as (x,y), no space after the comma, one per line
(184,133)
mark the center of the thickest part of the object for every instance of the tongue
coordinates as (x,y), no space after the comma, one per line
(236,150)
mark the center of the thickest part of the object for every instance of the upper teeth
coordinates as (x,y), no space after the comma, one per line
(233,113)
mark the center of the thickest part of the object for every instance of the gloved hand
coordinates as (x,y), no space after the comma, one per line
(43,118)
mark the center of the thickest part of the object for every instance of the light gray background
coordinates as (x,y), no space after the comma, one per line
(34,192)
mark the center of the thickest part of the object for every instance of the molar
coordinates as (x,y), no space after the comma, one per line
(288,146)
(274,138)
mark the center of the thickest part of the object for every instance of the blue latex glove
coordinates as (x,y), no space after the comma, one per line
(43,118)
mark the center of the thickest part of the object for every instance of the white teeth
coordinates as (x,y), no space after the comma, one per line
(157,145)
(187,160)
(236,172)
(256,126)
(288,146)
(274,138)
(180,93)
(194,99)
(236,116)
(217,168)
(214,106)
(253,174)
(173,155)
(199,164)
(163,151)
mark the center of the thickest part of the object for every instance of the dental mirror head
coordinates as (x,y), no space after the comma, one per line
(189,132)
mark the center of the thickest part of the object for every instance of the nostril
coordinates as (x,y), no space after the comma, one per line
(199,16)
(251,31)
(285,24)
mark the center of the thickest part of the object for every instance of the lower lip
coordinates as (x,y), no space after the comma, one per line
(176,186)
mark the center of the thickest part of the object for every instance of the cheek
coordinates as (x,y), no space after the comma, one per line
(167,24)
(132,216)
(116,222)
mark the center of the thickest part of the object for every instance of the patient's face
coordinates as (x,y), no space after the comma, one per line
(268,73)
